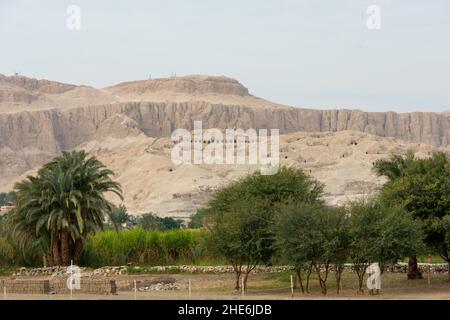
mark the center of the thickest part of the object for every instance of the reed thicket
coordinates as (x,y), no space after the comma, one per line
(142,247)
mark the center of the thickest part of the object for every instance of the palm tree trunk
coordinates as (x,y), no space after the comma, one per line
(77,251)
(55,252)
(65,250)
(48,260)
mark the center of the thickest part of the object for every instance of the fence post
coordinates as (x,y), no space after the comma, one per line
(292,286)
(71,280)
(190,288)
(135,290)
(243,288)
(4,291)
(430,259)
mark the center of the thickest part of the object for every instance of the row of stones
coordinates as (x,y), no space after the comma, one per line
(61,271)
(121,270)
(163,287)
(397,268)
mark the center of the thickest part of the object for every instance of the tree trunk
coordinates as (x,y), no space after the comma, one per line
(323,286)
(338,274)
(413,269)
(360,283)
(55,252)
(299,276)
(65,250)
(48,260)
(322,281)
(308,277)
(77,251)
(246,278)
(238,278)
(360,272)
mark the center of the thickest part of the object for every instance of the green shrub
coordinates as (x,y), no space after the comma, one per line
(6,252)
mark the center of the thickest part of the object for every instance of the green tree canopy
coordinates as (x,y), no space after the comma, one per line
(242,236)
(287,185)
(312,234)
(65,202)
(244,210)
(380,234)
(424,191)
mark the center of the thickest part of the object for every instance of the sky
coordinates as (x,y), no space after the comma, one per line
(305,53)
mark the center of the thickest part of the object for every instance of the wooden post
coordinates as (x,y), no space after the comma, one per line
(71,279)
(190,288)
(243,288)
(4,291)
(430,258)
(135,290)
(292,286)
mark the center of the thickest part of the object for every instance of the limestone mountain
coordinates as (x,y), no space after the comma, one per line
(40,118)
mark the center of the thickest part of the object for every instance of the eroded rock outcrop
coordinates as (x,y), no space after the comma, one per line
(57,129)
(127,126)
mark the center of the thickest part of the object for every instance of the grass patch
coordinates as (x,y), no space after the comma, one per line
(350,281)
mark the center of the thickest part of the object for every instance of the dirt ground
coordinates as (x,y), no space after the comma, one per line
(260,286)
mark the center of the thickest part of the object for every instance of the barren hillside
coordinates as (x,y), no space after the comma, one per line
(151,182)
(128,125)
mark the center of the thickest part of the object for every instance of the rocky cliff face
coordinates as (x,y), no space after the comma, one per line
(40,118)
(57,129)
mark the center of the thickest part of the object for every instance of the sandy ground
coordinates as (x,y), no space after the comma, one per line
(213,286)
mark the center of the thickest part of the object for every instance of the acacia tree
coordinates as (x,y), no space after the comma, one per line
(379,234)
(288,184)
(340,243)
(424,191)
(241,235)
(247,206)
(312,233)
(289,246)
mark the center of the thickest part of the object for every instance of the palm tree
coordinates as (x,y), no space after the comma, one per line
(67,203)
(395,167)
(121,218)
(23,220)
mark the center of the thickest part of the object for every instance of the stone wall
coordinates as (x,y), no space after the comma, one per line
(397,268)
(47,271)
(58,286)
(25,286)
(111,271)
(87,286)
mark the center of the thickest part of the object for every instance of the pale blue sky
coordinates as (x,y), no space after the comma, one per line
(309,53)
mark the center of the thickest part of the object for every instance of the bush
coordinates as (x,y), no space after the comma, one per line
(6,253)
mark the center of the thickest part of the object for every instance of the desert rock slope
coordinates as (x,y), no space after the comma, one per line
(128,127)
